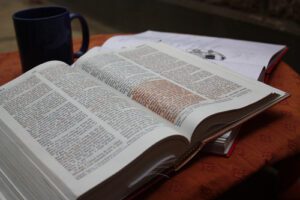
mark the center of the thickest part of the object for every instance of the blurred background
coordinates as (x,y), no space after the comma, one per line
(271,21)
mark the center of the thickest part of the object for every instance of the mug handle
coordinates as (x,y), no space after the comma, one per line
(85,34)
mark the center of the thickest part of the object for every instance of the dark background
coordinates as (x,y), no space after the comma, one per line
(272,21)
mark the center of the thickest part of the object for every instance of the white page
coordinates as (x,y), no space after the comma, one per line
(117,153)
(170,68)
(245,57)
(2,196)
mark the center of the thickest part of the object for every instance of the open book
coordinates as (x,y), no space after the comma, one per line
(255,60)
(116,119)
(251,59)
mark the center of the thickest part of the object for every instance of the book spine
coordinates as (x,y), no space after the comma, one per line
(273,64)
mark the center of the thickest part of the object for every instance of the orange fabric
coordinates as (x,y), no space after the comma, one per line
(268,138)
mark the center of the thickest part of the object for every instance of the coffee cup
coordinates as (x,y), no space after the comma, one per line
(45,34)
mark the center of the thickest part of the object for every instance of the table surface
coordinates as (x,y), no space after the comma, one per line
(270,137)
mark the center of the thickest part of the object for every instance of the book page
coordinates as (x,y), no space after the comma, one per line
(7,191)
(245,57)
(2,196)
(80,129)
(178,86)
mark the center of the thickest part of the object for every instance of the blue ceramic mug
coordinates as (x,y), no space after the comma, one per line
(45,34)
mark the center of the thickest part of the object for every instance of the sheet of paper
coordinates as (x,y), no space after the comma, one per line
(2,196)
(245,57)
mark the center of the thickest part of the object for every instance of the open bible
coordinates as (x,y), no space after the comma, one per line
(116,119)
(252,59)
